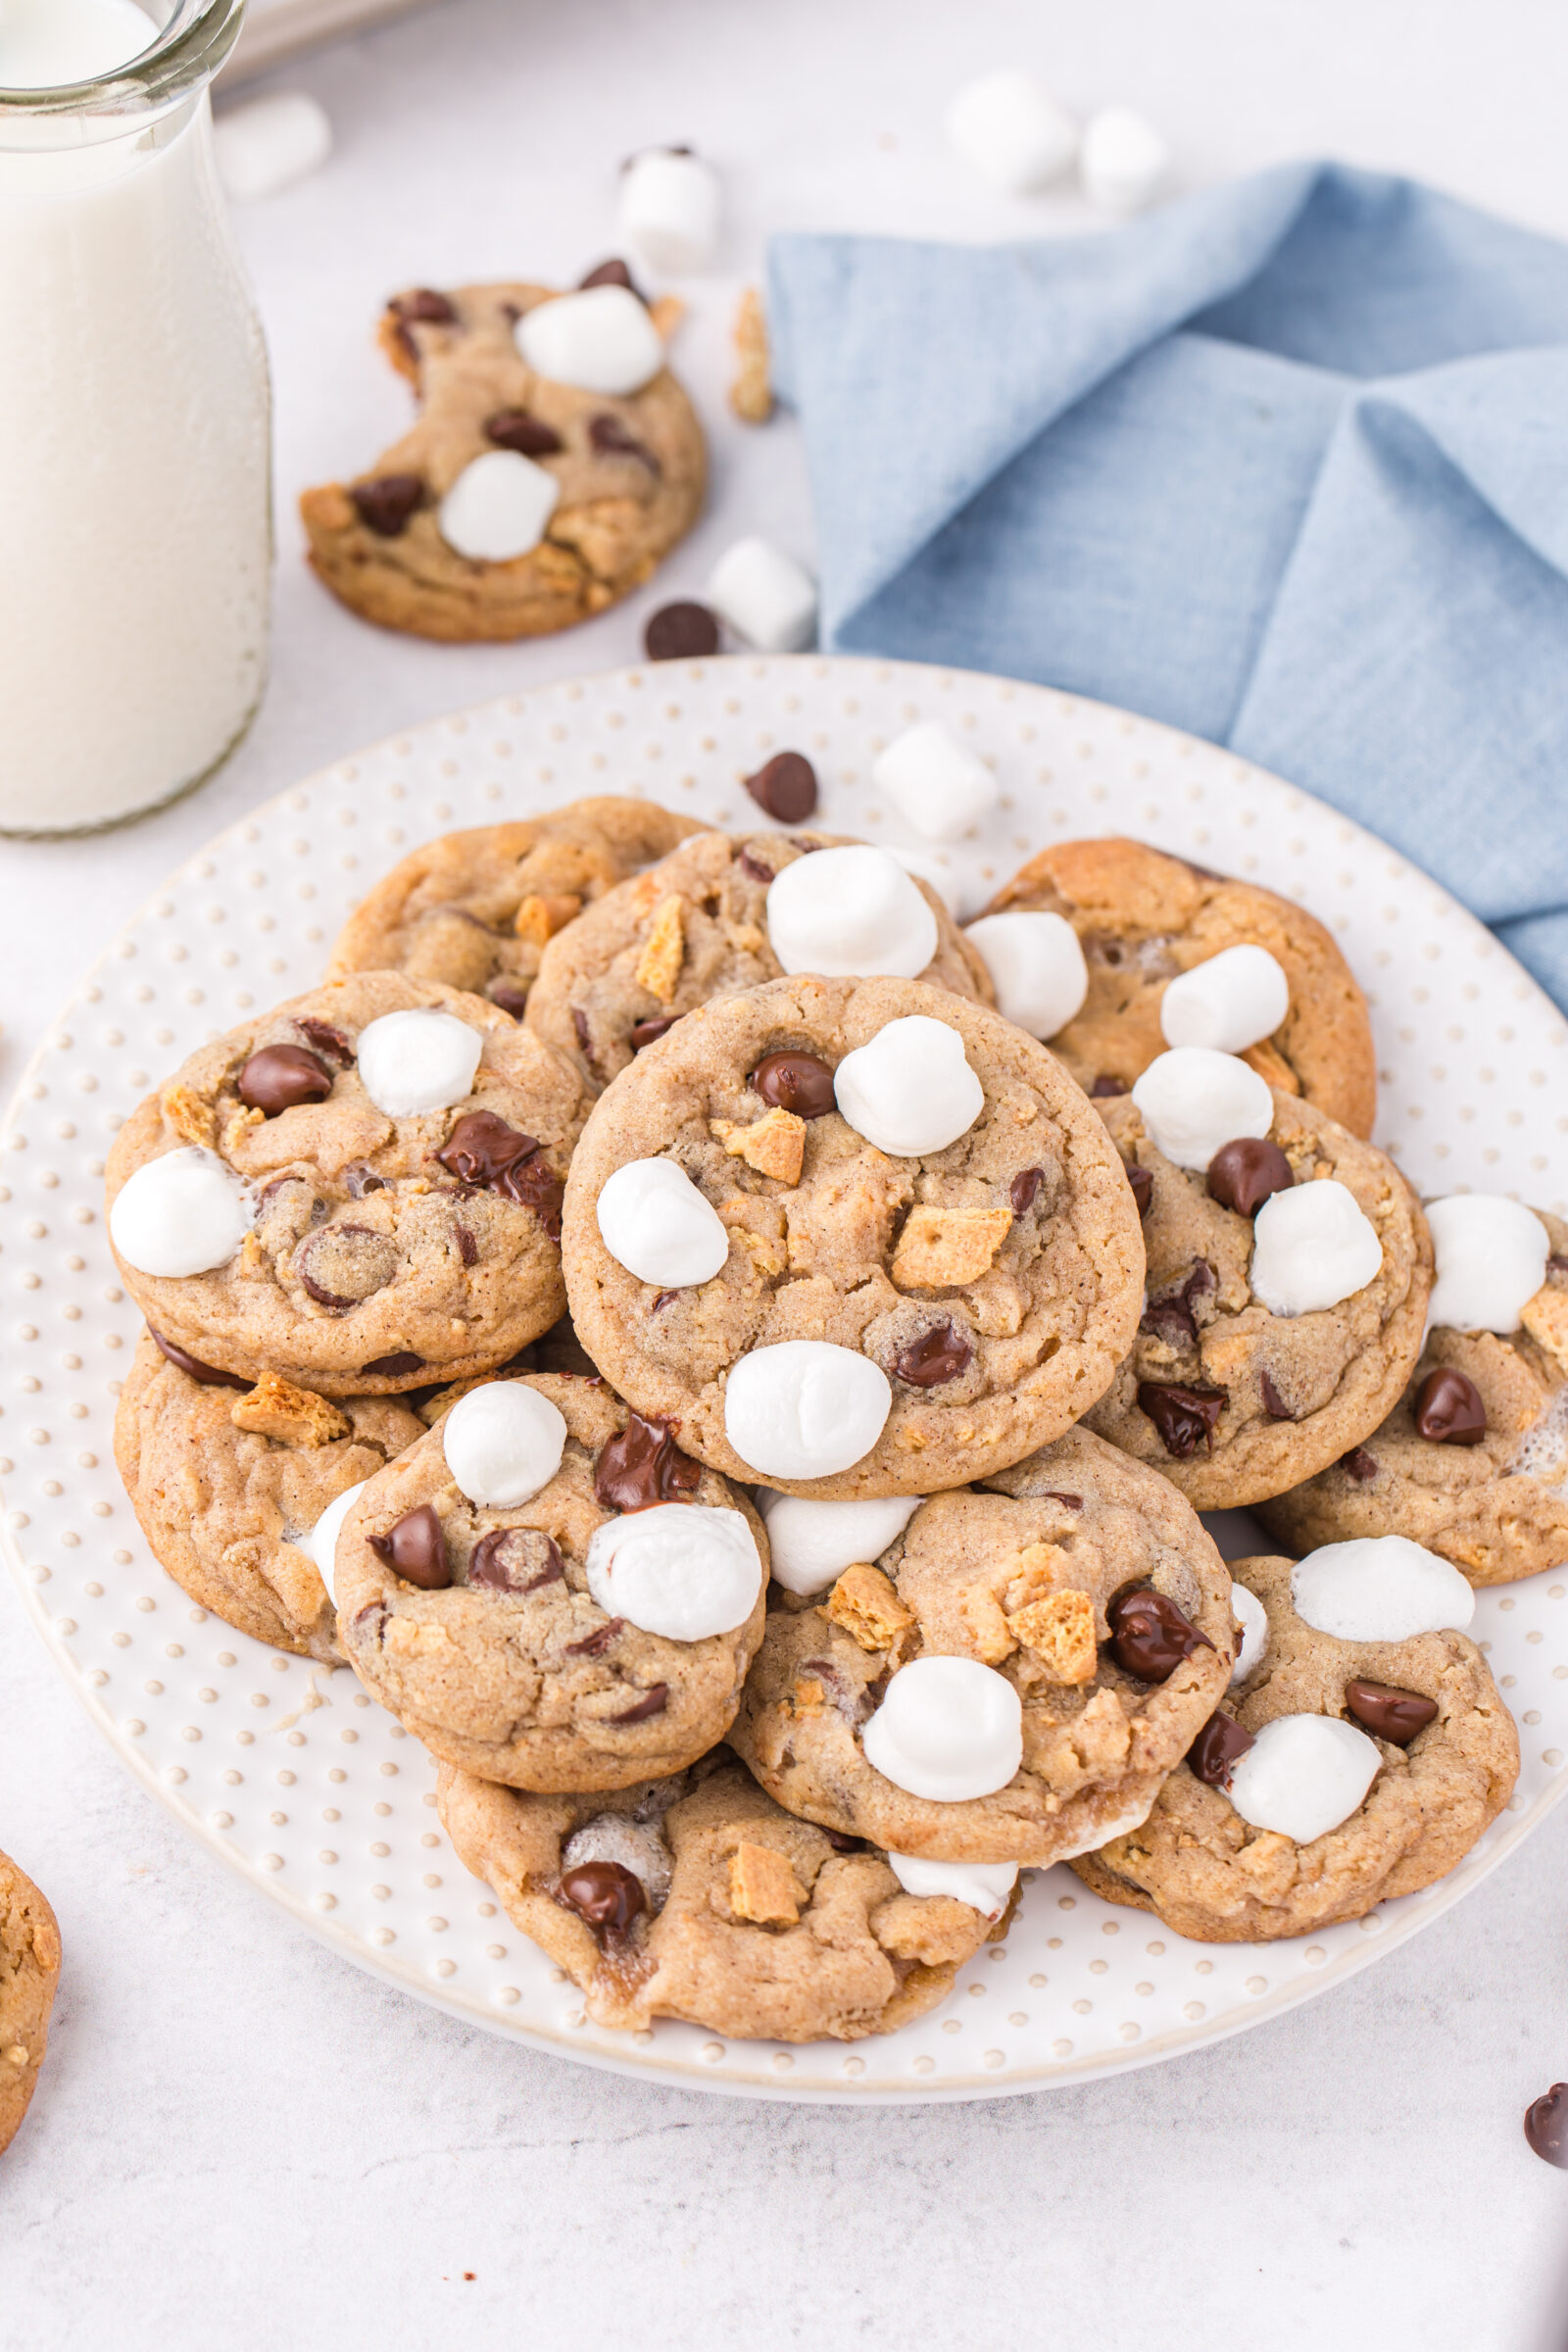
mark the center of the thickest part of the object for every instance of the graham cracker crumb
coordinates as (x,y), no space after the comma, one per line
(764,1887)
(537,920)
(665,951)
(1272,1067)
(1060,1630)
(277,1408)
(1546,1318)
(750,395)
(866,1605)
(192,1120)
(943,1247)
(773,1145)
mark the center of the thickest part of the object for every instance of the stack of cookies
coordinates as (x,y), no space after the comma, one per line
(734,1363)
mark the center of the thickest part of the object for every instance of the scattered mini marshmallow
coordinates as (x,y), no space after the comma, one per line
(676,1569)
(1252,1618)
(267,144)
(765,596)
(1380,1589)
(909,1089)
(1492,1257)
(937,784)
(669,205)
(498,507)
(1011,130)
(656,1223)
(503,1441)
(984,1886)
(601,339)
(321,1544)
(948,1728)
(1037,969)
(925,867)
(813,1542)
(804,1408)
(848,913)
(418,1060)
(183,1213)
(1303,1774)
(1122,160)
(1192,1100)
(1312,1246)
(1234,1001)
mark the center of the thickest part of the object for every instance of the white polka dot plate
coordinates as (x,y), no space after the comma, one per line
(288,1770)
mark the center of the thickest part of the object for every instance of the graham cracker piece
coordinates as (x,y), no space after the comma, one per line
(940,1247)
(750,395)
(1060,1630)
(277,1408)
(192,1120)
(865,1604)
(1272,1067)
(764,1887)
(663,952)
(537,920)
(773,1145)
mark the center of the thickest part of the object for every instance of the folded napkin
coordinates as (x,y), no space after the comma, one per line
(1285,463)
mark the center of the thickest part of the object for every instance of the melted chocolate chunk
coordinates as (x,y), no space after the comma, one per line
(643,1465)
(468,1247)
(943,1352)
(1390,1713)
(754,866)
(1359,1465)
(654,1702)
(1023,1189)
(1142,1181)
(343,1265)
(521,430)
(794,1081)
(1069,1503)
(329,1043)
(608,437)
(1244,1174)
(612,272)
(392,1367)
(1219,1745)
(1449,1408)
(515,1560)
(603,1638)
(606,1894)
(511,996)
(1547,2126)
(1185,1418)
(1172,1318)
(482,1149)
(424,303)
(208,1373)
(784,788)
(1150,1636)
(385,504)
(416,1549)
(280,1076)
(643,1033)
(1274,1403)
(681,632)
(1103,1088)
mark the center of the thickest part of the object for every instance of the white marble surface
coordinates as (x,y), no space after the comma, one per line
(240,2140)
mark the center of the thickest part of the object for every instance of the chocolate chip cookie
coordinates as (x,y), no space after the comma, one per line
(697,1897)
(692,928)
(1142,917)
(228,1479)
(1447,1758)
(627,473)
(918,1315)
(475,909)
(1078,1580)
(481,1627)
(29,1970)
(359,1191)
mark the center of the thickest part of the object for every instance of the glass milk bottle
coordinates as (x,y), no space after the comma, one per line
(135,531)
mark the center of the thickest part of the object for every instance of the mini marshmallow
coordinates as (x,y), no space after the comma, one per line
(1234,1001)
(656,1223)
(1302,1775)
(804,1408)
(948,1728)
(1192,1100)
(812,1542)
(1123,161)
(910,1090)
(984,1886)
(1252,1618)
(1380,1589)
(1037,969)
(502,1443)
(937,784)
(849,914)
(183,1213)
(1492,1257)
(321,1544)
(1011,130)
(498,507)
(269,143)
(670,209)
(765,597)
(676,1569)
(602,341)
(415,1061)
(1312,1246)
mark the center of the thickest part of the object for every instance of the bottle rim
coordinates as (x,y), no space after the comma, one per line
(184,56)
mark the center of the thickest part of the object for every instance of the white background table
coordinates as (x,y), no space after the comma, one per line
(240,2140)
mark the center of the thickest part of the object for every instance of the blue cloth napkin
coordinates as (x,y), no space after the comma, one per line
(1285,463)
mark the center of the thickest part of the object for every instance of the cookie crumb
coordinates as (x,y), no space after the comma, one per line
(773,1145)
(940,1247)
(751,396)
(865,1604)
(764,1887)
(658,967)
(277,1408)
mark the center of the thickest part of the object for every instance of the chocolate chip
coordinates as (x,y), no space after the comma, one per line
(843,1843)
(606,1894)
(385,504)
(1150,1636)
(1023,1188)
(603,1637)
(1185,1418)
(1274,1403)
(942,1353)
(1359,1465)
(1244,1174)
(1449,1408)
(754,866)
(643,1033)
(483,1150)
(1103,1088)
(1142,1181)
(468,1247)
(361,1179)
(654,1702)
(342,1265)
(515,1560)
(416,1549)
(1219,1744)
(785,787)
(426,305)
(1172,1318)
(612,272)
(796,1081)
(1069,1503)
(643,1465)
(521,429)
(395,1367)
(534,1184)
(329,1043)
(511,996)
(681,632)
(608,437)
(1392,1714)
(208,1373)
(579,1022)
(1546,2125)
(280,1076)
